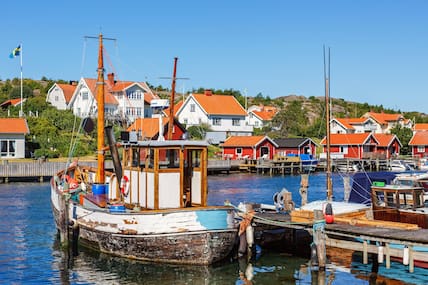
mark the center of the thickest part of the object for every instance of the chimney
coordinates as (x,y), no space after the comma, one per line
(110,78)
(208,92)
(73,82)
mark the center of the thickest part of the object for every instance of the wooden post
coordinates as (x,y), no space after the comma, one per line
(365,255)
(304,188)
(387,256)
(347,188)
(320,238)
(411,261)
(63,221)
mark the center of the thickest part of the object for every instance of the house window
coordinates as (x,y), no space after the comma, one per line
(56,98)
(421,148)
(7,148)
(216,121)
(192,107)
(238,151)
(343,149)
(85,95)
(256,123)
(185,121)
(236,122)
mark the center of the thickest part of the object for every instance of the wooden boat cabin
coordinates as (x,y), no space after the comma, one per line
(162,175)
(399,203)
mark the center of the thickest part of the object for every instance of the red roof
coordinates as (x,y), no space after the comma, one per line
(13,126)
(265,114)
(383,118)
(220,104)
(13,102)
(177,107)
(384,140)
(149,126)
(419,138)
(347,139)
(244,141)
(108,97)
(420,127)
(68,90)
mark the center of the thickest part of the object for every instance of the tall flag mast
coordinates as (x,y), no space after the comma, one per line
(18,52)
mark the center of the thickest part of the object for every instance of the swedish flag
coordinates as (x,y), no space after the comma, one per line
(15,52)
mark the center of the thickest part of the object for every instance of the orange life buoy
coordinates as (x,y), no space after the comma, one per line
(124,185)
(72,183)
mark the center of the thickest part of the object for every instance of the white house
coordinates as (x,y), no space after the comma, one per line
(353,125)
(83,103)
(261,116)
(12,137)
(222,113)
(388,121)
(124,99)
(133,98)
(59,95)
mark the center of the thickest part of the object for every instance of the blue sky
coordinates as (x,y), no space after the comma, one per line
(379,49)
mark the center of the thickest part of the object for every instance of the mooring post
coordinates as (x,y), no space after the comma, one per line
(387,256)
(365,255)
(63,220)
(347,188)
(304,189)
(411,261)
(320,238)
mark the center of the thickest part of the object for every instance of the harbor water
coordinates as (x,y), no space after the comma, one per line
(30,254)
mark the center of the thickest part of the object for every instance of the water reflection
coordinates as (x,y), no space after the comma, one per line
(91,267)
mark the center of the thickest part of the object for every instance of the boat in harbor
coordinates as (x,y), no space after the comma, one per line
(152,206)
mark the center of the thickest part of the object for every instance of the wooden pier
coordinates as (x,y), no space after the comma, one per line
(37,170)
(41,170)
(364,239)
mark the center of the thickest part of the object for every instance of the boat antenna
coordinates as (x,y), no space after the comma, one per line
(327,107)
(100,176)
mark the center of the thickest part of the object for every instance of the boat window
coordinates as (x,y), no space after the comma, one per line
(391,200)
(380,198)
(135,157)
(151,158)
(169,158)
(196,158)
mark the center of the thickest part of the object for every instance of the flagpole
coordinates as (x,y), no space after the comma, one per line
(21,113)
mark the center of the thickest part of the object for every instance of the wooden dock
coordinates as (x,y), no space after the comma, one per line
(41,170)
(363,239)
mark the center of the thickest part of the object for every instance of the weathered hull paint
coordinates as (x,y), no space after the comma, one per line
(197,248)
(199,236)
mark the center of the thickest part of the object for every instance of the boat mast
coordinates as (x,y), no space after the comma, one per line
(327,108)
(100,178)
(171,104)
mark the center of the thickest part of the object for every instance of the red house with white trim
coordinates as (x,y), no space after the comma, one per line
(419,143)
(253,147)
(363,145)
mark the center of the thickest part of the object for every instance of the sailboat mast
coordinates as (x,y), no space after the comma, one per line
(100,178)
(171,104)
(327,108)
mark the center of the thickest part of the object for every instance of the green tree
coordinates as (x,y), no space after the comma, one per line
(291,120)
(198,132)
(404,135)
(15,93)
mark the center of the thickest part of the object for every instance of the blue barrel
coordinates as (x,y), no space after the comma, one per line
(98,189)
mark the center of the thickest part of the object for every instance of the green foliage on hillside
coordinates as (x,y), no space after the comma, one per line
(52,129)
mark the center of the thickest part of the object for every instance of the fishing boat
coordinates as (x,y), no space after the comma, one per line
(152,206)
